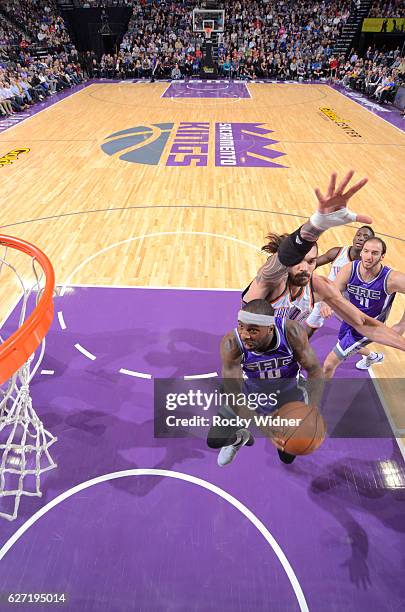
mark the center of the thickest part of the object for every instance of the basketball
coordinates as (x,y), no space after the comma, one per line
(186,259)
(306,437)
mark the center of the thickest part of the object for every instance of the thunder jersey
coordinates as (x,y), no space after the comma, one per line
(298,308)
(276,362)
(341,259)
(372,298)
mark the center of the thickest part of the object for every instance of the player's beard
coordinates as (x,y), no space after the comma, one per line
(299,280)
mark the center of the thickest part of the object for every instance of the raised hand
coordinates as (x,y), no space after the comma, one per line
(336,199)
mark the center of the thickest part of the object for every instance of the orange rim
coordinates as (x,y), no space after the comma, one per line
(25,340)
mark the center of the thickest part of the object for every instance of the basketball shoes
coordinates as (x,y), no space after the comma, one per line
(370,360)
(228,453)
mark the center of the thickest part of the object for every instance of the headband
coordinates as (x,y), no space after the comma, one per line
(251,318)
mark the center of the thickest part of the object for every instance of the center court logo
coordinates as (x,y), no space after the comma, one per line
(245,145)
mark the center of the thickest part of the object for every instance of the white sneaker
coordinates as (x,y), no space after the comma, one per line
(367,362)
(227,453)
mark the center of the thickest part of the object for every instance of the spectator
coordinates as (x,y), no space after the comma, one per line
(176,74)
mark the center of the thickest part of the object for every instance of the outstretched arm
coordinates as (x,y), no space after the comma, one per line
(331,211)
(327,257)
(365,325)
(342,277)
(400,326)
(396,284)
(332,208)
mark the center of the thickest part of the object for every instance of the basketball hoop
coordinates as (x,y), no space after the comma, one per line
(24,442)
(207,31)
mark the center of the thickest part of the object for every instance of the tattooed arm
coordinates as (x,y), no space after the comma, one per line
(331,212)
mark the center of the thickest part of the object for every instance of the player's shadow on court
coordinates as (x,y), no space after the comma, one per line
(188,352)
(107,430)
(178,353)
(354,485)
(100,416)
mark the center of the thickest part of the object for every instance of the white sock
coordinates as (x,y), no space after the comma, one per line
(373,355)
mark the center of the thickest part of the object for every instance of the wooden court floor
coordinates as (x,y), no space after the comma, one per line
(192,226)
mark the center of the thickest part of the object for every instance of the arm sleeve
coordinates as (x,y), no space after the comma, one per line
(293,249)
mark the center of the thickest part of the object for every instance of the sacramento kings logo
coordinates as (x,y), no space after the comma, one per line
(141,144)
(243,145)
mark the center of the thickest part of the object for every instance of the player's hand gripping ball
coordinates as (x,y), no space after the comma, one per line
(305,435)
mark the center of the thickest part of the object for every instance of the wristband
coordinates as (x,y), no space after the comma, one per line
(293,249)
(334,219)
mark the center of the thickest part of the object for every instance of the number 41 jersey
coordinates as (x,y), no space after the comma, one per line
(372,298)
(277,362)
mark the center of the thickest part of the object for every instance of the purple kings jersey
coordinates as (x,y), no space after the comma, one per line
(277,362)
(372,298)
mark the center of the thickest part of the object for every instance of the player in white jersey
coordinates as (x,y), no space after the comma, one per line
(337,257)
(293,261)
(295,298)
(283,280)
(293,304)
(301,290)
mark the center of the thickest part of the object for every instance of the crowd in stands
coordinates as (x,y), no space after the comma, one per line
(387,8)
(377,74)
(9,35)
(284,40)
(25,80)
(39,19)
(101,3)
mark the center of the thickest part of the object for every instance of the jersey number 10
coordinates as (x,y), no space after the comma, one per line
(270,374)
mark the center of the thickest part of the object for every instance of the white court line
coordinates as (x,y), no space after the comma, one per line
(48,372)
(126,241)
(367,109)
(206,101)
(210,88)
(136,374)
(48,107)
(152,235)
(257,523)
(387,412)
(168,87)
(231,238)
(193,376)
(85,352)
(61,320)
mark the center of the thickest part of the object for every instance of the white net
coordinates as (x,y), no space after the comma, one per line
(24,442)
